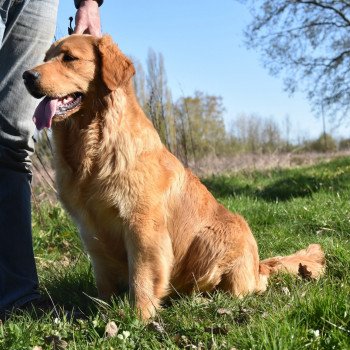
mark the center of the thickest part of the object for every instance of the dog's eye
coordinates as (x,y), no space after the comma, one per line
(68,58)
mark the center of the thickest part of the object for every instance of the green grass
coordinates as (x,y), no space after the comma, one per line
(286,209)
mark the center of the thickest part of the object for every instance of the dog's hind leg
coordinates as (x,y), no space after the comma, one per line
(243,277)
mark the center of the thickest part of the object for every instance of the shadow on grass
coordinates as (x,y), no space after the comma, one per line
(283,189)
(289,188)
(72,291)
(223,186)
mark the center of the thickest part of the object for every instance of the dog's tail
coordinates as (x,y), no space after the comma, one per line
(308,263)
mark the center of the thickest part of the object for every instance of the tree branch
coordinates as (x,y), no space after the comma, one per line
(326,7)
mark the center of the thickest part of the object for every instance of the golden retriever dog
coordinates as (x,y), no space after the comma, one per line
(149,225)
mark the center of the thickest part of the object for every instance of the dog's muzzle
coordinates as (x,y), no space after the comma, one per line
(31,79)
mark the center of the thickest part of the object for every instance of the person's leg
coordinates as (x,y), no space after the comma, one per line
(3,14)
(27,28)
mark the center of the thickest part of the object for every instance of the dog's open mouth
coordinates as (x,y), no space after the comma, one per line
(50,107)
(68,103)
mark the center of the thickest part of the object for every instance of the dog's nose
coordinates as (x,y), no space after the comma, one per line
(30,76)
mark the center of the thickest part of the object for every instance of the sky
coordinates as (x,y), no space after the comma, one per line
(202,44)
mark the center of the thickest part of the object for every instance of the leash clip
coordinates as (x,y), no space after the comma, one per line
(70,28)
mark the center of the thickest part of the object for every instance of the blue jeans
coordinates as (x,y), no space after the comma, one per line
(26,31)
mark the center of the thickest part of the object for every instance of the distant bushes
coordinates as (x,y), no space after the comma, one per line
(325,143)
(344,145)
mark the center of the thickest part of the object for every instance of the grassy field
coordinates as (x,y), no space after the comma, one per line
(287,210)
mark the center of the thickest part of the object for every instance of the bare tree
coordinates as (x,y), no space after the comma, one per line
(140,84)
(287,125)
(256,134)
(157,95)
(308,43)
(181,121)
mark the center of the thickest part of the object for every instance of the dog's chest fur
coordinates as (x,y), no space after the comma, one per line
(104,177)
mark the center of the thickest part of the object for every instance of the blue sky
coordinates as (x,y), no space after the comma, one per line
(202,45)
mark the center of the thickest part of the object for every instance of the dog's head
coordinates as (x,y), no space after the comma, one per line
(76,70)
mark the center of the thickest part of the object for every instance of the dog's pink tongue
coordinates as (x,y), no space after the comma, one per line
(44,112)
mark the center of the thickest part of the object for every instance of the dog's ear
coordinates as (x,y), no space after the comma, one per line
(116,68)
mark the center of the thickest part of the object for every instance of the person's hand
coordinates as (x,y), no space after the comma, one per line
(87,18)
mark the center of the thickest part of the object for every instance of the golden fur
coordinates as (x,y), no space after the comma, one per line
(148,223)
